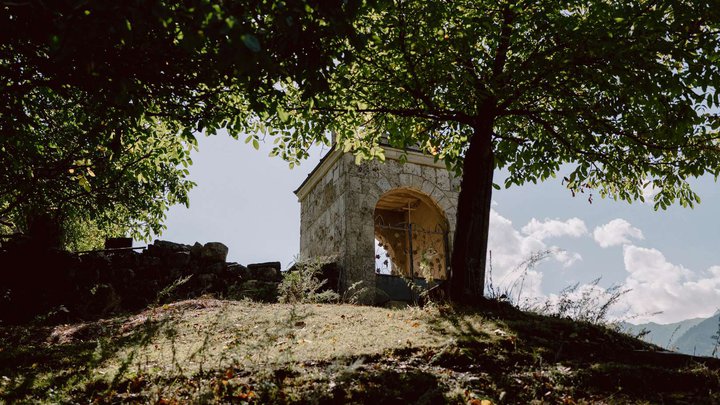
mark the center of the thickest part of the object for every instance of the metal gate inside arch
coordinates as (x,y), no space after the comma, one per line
(411,237)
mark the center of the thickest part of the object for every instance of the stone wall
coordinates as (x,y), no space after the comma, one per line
(60,286)
(338,201)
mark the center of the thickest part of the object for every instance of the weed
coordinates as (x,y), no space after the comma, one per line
(586,303)
(512,291)
(166,293)
(355,293)
(302,284)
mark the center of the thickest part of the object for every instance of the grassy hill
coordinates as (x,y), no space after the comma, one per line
(212,351)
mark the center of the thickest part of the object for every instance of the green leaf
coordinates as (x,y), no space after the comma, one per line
(251,42)
(282,114)
(256,144)
(84,183)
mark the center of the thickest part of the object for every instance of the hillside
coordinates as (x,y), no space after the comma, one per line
(691,336)
(213,351)
(698,339)
(663,335)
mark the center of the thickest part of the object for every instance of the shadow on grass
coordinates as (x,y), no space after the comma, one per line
(34,365)
(529,356)
(375,383)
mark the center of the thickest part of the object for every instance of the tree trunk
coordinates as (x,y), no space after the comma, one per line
(469,254)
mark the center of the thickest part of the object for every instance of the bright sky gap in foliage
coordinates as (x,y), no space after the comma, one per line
(668,258)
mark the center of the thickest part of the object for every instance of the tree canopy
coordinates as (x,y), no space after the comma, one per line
(622,92)
(101,100)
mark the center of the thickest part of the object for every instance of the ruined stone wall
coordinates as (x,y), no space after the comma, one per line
(60,286)
(338,201)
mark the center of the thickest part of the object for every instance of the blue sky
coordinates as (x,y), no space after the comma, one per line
(670,259)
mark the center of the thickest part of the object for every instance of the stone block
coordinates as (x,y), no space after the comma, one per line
(214,252)
(274,265)
(410,168)
(443,181)
(206,280)
(196,250)
(178,259)
(238,269)
(161,248)
(213,268)
(383,184)
(429,174)
(269,271)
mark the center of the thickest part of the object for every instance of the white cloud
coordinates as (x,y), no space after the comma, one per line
(551,228)
(657,285)
(566,258)
(511,248)
(616,232)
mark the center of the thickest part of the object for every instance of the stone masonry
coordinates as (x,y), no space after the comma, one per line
(338,201)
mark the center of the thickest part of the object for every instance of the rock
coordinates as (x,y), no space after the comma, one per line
(214,252)
(178,259)
(125,258)
(238,270)
(380,296)
(232,266)
(162,248)
(274,265)
(118,243)
(206,280)
(104,300)
(264,273)
(149,261)
(213,268)
(196,250)
(173,273)
(87,274)
(123,276)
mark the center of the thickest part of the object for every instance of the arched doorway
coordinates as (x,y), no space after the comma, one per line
(411,236)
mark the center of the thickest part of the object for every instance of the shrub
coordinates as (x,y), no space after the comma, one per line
(302,285)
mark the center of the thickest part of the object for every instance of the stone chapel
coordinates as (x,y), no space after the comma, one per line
(383,222)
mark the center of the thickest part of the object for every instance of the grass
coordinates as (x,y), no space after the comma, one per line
(207,350)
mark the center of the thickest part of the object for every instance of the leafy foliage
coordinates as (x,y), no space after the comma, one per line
(624,91)
(614,96)
(72,164)
(101,99)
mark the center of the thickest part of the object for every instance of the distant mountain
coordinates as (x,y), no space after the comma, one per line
(691,336)
(663,335)
(698,339)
